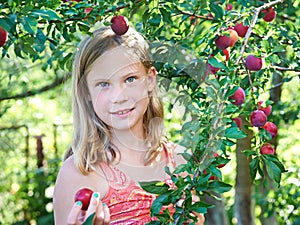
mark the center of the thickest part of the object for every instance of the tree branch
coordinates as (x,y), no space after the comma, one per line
(195,15)
(14,127)
(54,84)
(284,69)
(252,24)
(126,5)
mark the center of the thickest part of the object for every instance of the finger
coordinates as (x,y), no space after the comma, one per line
(195,198)
(201,220)
(99,220)
(93,204)
(106,214)
(74,213)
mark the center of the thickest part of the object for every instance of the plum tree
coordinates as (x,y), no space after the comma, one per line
(47,33)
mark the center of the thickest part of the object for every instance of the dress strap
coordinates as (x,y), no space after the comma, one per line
(115,178)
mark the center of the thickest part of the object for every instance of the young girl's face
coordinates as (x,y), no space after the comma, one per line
(118,88)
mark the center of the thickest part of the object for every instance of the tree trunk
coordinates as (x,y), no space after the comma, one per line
(216,215)
(275,96)
(243,206)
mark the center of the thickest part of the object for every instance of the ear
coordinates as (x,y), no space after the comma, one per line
(151,78)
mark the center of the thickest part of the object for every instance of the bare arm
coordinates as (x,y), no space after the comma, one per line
(69,181)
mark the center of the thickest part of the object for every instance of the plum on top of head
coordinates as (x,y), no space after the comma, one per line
(119,24)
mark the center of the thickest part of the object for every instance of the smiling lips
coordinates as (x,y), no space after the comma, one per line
(123,112)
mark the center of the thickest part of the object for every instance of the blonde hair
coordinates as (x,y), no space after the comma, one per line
(91,141)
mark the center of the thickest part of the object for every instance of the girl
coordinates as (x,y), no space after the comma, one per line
(118,135)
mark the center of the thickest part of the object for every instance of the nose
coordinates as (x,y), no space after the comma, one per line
(118,94)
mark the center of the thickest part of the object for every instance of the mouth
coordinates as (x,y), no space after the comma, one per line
(122,112)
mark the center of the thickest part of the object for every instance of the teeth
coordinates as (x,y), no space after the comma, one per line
(123,112)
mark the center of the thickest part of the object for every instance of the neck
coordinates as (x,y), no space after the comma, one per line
(130,140)
(132,147)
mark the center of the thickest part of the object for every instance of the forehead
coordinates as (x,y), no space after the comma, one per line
(114,61)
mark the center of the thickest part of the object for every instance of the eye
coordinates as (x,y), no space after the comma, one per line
(102,84)
(130,79)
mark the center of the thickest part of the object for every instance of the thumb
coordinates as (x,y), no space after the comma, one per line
(93,204)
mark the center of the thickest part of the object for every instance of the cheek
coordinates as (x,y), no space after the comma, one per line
(140,91)
(98,99)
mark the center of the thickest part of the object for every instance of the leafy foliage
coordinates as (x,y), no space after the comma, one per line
(182,36)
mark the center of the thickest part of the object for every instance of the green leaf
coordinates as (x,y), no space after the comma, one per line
(273,171)
(18,50)
(217,10)
(274,159)
(211,92)
(249,152)
(253,167)
(228,142)
(219,187)
(46,14)
(29,24)
(180,168)
(65,34)
(154,223)
(200,207)
(234,132)
(39,41)
(6,24)
(161,200)
(231,91)
(186,156)
(83,27)
(166,15)
(155,20)
(154,187)
(215,63)
(89,220)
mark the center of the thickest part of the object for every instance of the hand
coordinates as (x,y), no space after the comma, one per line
(201,219)
(200,216)
(78,216)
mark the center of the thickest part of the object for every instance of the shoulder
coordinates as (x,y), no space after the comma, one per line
(68,182)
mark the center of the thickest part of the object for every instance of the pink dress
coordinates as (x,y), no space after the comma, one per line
(128,203)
